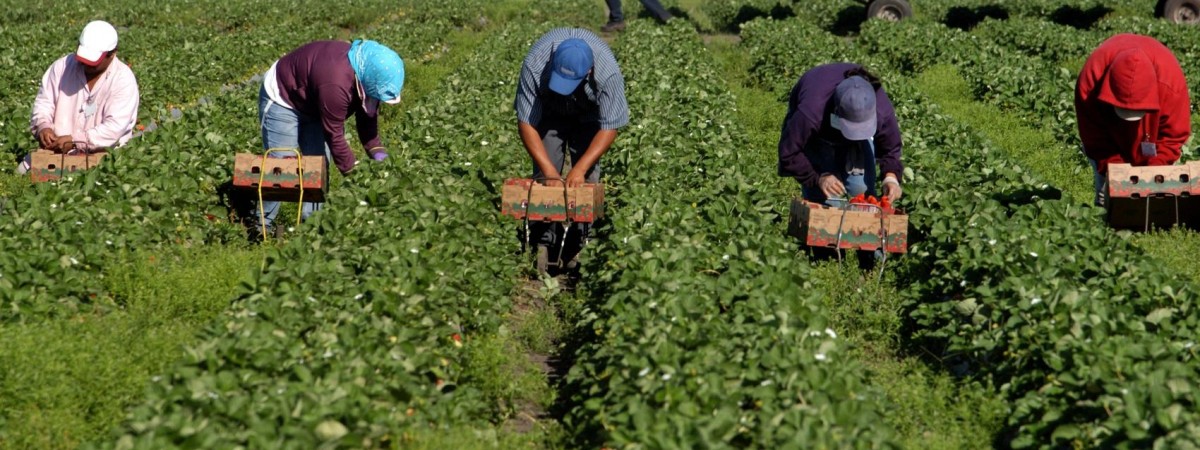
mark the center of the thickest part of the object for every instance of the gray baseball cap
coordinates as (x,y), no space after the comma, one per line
(854,110)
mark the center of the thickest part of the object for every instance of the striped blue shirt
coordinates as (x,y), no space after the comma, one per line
(605,87)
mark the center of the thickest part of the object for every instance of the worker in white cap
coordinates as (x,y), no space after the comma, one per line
(88,100)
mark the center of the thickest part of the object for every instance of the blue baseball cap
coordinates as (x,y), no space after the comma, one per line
(854,110)
(570,65)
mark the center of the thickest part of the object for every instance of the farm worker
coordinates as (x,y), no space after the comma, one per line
(1132,106)
(570,99)
(839,125)
(616,18)
(88,101)
(308,94)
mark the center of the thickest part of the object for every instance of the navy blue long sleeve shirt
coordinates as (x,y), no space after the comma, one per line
(809,107)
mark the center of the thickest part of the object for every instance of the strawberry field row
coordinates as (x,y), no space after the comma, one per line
(703,329)
(1092,341)
(1090,338)
(164,188)
(365,329)
(179,65)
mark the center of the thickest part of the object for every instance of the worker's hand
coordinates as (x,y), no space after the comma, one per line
(46,138)
(831,186)
(575,178)
(378,153)
(891,188)
(62,144)
(552,180)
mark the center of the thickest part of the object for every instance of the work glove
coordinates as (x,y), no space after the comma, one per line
(891,188)
(378,153)
(831,186)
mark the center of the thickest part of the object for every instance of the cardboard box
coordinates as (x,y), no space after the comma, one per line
(1153,212)
(1126,181)
(818,225)
(46,165)
(280,177)
(553,204)
(1153,197)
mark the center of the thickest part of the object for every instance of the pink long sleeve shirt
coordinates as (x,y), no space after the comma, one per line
(97,118)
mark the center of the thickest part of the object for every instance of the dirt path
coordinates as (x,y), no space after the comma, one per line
(536,321)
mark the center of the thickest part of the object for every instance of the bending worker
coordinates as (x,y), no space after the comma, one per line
(308,94)
(1132,106)
(570,100)
(839,125)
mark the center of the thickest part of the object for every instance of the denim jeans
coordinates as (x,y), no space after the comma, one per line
(283,128)
(1099,183)
(853,163)
(656,8)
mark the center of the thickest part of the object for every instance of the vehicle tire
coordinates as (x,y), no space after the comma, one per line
(1182,11)
(890,10)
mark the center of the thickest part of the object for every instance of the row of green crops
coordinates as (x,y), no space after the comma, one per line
(1092,341)
(845,16)
(174,64)
(222,44)
(364,329)
(1040,85)
(167,187)
(1090,338)
(161,192)
(1073,12)
(702,329)
(1023,65)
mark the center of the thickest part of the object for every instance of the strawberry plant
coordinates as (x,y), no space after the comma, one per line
(1090,340)
(701,329)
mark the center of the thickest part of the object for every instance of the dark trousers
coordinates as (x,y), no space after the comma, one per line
(562,138)
(656,8)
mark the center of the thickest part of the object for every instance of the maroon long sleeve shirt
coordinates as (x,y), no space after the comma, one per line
(317,80)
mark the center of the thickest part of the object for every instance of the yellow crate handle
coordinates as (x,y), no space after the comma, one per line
(262,174)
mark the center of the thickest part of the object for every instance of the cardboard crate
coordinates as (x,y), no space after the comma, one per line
(1195,170)
(817,225)
(1153,197)
(554,204)
(1154,212)
(1126,181)
(46,165)
(281,177)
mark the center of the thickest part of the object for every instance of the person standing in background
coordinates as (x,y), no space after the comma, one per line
(616,18)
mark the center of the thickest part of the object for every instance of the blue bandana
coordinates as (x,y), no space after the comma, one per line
(380,70)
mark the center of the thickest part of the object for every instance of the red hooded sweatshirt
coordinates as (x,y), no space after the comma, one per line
(1139,73)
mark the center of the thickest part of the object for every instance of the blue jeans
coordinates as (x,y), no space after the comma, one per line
(1099,183)
(852,163)
(616,15)
(283,128)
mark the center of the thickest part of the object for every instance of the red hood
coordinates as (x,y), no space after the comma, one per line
(1130,82)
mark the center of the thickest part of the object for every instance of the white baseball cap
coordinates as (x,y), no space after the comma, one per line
(98,38)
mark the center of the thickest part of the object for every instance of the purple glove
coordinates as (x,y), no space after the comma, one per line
(378,154)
